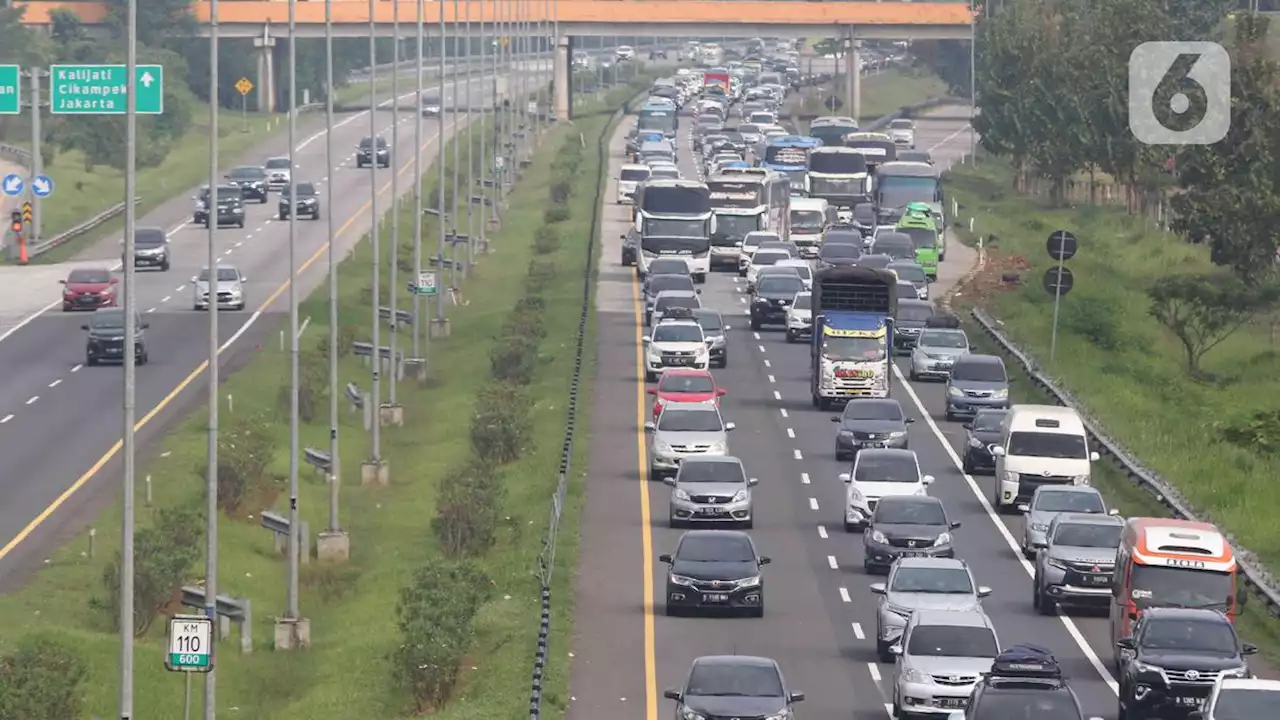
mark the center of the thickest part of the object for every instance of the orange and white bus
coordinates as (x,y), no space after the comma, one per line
(1162,562)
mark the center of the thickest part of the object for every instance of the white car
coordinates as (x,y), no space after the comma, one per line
(1240,697)
(879,473)
(800,317)
(279,173)
(903,133)
(629,179)
(664,171)
(675,343)
(762,259)
(803,269)
(749,245)
(625,52)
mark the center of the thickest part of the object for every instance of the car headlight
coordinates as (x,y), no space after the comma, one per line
(719,447)
(1000,394)
(687,714)
(898,434)
(1039,527)
(846,433)
(1240,672)
(662,447)
(877,536)
(975,442)
(954,391)
(752,581)
(1080,480)
(943,539)
(681,580)
(912,675)
(680,494)
(1010,476)
(761,301)
(238,211)
(1057,564)
(1143,667)
(784,715)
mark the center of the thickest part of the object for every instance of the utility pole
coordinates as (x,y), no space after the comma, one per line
(392,409)
(417,187)
(130,358)
(486,133)
(454,215)
(441,323)
(375,470)
(471,156)
(211,470)
(37,157)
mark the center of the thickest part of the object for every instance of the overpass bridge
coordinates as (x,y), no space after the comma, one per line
(267,21)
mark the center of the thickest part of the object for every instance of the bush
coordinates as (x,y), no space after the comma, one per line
(41,680)
(514,359)
(162,555)
(244,451)
(1095,320)
(436,617)
(556,213)
(561,190)
(526,318)
(500,423)
(1259,433)
(468,509)
(313,384)
(546,240)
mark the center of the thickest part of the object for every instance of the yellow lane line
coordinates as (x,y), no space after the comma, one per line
(646,526)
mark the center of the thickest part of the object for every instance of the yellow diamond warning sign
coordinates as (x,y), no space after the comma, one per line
(244,86)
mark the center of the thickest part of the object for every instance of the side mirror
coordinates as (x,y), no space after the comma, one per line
(1125,643)
(244,279)
(646,340)
(1113,512)
(652,391)
(727,328)
(795,697)
(927,479)
(672,695)
(997,450)
(84,326)
(967,426)
(649,426)
(835,419)
(697,291)
(984,591)
(895,649)
(752,482)
(728,427)
(955,525)
(62,282)
(145,325)
(721,392)
(193,279)
(664,557)
(765,560)
(1024,508)
(846,478)
(1248,649)
(879,588)
(115,280)
(668,480)
(1039,545)
(1094,457)
(908,421)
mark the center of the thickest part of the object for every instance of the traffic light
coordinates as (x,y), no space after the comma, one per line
(15,219)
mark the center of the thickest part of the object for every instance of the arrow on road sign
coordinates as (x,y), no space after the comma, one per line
(42,186)
(12,185)
(147,79)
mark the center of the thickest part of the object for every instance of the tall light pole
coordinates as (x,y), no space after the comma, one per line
(441,324)
(417,186)
(335,467)
(485,134)
(471,157)
(211,472)
(375,451)
(454,215)
(130,371)
(295,521)
(395,203)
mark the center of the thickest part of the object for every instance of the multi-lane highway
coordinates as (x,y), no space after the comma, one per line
(60,421)
(820,617)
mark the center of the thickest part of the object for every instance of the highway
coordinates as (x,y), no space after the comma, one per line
(820,615)
(60,421)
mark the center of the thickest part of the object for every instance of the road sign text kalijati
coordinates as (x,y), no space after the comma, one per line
(104,89)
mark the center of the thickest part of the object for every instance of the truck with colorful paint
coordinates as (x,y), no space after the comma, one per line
(853,311)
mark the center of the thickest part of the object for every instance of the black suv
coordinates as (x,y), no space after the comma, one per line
(252,181)
(366,152)
(1024,681)
(983,431)
(106,337)
(150,248)
(1170,664)
(228,210)
(772,297)
(308,202)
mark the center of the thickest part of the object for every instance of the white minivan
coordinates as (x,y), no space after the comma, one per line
(1039,445)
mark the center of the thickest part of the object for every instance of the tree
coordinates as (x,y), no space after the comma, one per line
(1202,311)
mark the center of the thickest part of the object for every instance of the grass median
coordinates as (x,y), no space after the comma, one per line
(353,607)
(882,93)
(1125,369)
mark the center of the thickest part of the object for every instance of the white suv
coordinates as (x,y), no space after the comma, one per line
(676,342)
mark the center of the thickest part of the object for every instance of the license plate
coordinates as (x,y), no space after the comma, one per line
(1191,702)
(875,445)
(912,553)
(953,702)
(715,598)
(1097,580)
(710,511)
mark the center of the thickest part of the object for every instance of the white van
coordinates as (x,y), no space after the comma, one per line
(1039,445)
(810,218)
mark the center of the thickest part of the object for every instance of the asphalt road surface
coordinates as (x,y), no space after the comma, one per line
(60,421)
(819,620)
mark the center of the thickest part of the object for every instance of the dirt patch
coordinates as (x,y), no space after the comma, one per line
(1001,272)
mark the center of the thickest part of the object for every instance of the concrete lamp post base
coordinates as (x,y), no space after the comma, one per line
(333,547)
(375,472)
(293,634)
(391,415)
(440,328)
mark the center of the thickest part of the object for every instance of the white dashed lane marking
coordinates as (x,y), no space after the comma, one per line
(32,399)
(813,503)
(831,562)
(55,383)
(857,631)
(844,595)
(822,532)
(804,478)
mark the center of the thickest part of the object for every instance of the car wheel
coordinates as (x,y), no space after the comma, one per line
(650,377)
(791,337)
(950,416)
(841,456)
(749,524)
(90,360)
(240,306)
(700,278)
(966,465)
(315,215)
(673,611)
(142,359)
(1046,606)
(882,652)
(282,216)
(912,376)
(755,324)
(724,362)
(673,523)
(756,612)
(240,224)
(164,267)
(824,403)
(850,527)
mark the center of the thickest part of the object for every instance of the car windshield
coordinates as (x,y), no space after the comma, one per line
(1030,705)
(148,237)
(874,261)
(895,249)
(1087,535)
(988,421)
(909,513)
(634,175)
(666,172)
(677,333)
(710,322)
(806,220)
(1243,704)
(944,339)
(712,472)
(922,238)
(1194,635)
(280,163)
(911,273)
(1154,585)
(709,121)
(715,548)
(801,269)
(872,410)
(367,143)
(780,286)
(901,125)
(690,421)
(803,301)
(224,275)
(107,319)
(749,129)
(660,283)
(952,641)
(1080,502)
(978,372)
(839,250)
(853,349)
(893,467)
(685,383)
(247,173)
(914,313)
(89,277)
(671,301)
(932,580)
(725,680)
(1047,445)
(304,190)
(667,266)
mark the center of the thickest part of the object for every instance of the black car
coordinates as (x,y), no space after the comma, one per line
(721,687)
(870,423)
(252,181)
(906,526)
(838,254)
(150,248)
(843,236)
(874,260)
(896,245)
(773,295)
(228,207)
(984,431)
(308,201)
(716,334)
(715,570)
(1169,665)
(106,337)
(655,283)
(367,151)
(1025,681)
(910,321)
(657,54)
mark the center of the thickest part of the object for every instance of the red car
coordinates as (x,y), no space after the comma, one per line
(88,289)
(681,385)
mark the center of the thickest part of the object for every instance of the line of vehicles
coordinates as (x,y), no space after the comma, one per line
(857,292)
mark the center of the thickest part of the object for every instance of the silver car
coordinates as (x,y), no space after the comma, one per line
(921,583)
(711,489)
(231,295)
(1048,502)
(942,656)
(279,173)
(1075,567)
(685,430)
(936,351)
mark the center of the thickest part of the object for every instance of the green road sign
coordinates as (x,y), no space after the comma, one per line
(10,90)
(103,89)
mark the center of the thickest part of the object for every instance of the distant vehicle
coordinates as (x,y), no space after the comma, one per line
(870,423)
(370,151)
(684,430)
(252,181)
(105,342)
(431,106)
(1076,562)
(684,385)
(279,172)
(230,289)
(228,207)
(308,202)
(919,583)
(906,526)
(711,490)
(88,289)
(624,52)
(150,248)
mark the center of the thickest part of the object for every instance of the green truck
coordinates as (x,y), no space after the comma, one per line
(917,223)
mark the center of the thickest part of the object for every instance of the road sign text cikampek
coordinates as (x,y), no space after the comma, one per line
(104,89)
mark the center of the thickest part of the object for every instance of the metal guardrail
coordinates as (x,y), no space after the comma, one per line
(1260,581)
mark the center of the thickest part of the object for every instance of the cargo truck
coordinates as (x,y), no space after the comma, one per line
(853,311)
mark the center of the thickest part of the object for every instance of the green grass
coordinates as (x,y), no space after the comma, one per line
(345,674)
(1124,368)
(882,93)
